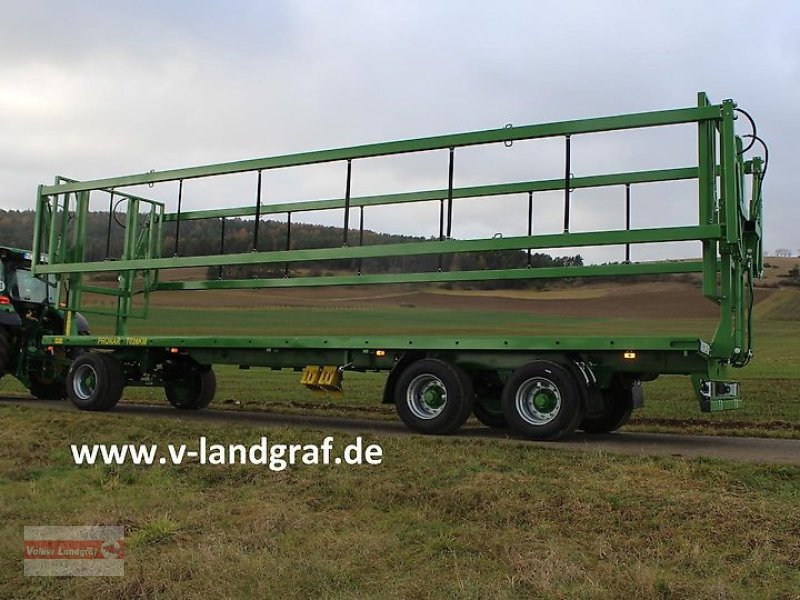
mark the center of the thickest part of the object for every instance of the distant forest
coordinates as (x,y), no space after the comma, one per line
(203,237)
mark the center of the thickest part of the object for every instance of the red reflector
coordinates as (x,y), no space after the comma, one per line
(4,300)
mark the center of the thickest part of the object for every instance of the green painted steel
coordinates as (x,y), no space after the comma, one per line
(728,229)
(510,343)
(505,134)
(558,240)
(441,276)
(480,191)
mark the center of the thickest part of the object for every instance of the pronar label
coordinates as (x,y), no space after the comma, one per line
(120,341)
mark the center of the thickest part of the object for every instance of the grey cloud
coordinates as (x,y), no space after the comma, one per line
(92,90)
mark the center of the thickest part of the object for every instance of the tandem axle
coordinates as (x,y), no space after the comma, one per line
(591,384)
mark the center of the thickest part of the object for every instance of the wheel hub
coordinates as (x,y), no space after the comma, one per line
(426,396)
(84,381)
(434,397)
(538,401)
(544,400)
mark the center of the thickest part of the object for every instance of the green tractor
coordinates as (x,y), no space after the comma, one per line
(28,310)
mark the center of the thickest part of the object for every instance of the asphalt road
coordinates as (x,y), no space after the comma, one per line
(754,450)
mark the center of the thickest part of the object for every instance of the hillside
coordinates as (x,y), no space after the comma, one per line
(203,237)
(783,305)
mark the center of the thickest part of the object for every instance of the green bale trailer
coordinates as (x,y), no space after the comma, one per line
(541,386)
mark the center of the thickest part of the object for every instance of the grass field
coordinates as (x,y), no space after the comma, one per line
(441,517)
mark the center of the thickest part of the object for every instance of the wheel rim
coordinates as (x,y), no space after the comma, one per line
(538,401)
(84,382)
(426,396)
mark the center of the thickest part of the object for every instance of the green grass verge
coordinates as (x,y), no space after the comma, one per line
(440,518)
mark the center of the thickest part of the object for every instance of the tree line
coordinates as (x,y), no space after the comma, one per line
(104,239)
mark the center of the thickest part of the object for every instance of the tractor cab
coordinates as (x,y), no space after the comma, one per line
(29,310)
(18,285)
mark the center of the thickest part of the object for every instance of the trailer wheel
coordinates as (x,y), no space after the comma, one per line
(618,406)
(193,391)
(95,381)
(433,396)
(541,400)
(490,413)
(488,407)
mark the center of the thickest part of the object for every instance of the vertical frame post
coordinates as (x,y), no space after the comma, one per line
(347,202)
(178,218)
(288,241)
(61,248)
(126,277)
(221,246)
(441,227)
(725,339)
(530,223)
(627,221)
(79,255)
(707,194)
(108,228)
(450,167)
(567,177)
(360,236)
(258,213)
(53,233)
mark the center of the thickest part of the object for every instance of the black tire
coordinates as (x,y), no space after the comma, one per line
(433,396)
(488,407)
(618,406)
(542,401)
(5,351)
(47,389)
(95,381)
(193,391)
(490,413)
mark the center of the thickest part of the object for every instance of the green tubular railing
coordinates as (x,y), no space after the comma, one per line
(729,226)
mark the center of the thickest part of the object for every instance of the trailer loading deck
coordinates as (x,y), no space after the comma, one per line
(542,386)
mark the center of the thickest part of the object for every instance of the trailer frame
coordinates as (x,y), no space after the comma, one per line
(729,228)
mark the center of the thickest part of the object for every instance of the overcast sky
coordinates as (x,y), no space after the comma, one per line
(98,89)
